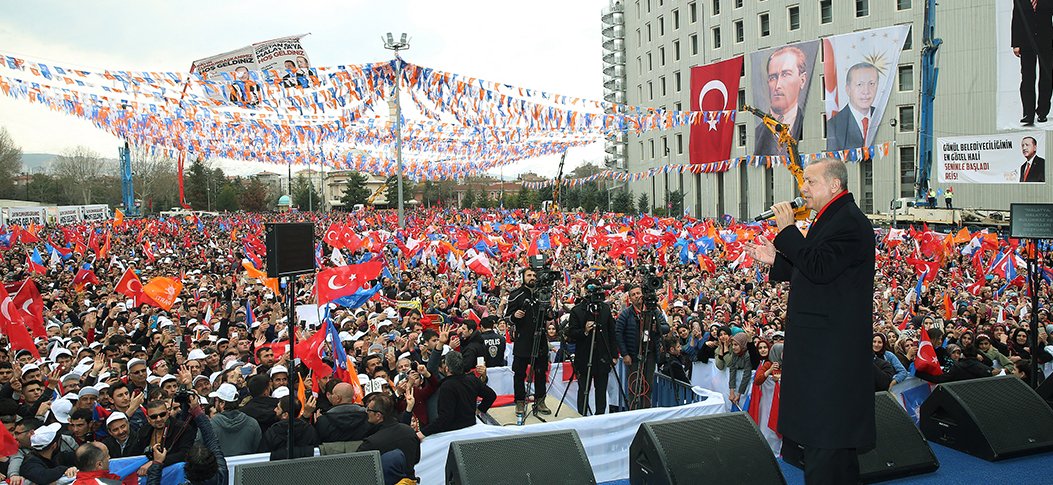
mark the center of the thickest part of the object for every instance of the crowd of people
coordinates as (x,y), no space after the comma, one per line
(116,374)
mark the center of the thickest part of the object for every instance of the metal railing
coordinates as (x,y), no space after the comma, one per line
(671,392)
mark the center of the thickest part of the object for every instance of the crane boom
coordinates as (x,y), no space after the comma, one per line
(930,72)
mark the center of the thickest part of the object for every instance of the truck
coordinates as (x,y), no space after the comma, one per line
(908,210)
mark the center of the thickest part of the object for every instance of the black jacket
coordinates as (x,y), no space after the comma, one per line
(829,329)
(456,401)
(276,438)
(1030,24)
(1037,174)
(132,448)
(179,437)
(606,348)
(393,435)
(523,298)
(343,422)
(962,369)
(488,345)
(38,469)
(262,410)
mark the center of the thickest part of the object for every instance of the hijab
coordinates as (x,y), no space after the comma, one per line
(775,353)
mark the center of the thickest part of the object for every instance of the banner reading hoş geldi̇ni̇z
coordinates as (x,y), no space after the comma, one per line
(714,87)
(284,57)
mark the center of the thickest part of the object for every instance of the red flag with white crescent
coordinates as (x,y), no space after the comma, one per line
(926,360)
(714,87)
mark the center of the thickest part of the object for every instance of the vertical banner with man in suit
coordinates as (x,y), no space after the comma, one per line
(714,87)
(1023,63)
(1006,158)
(859,73)
(779,79)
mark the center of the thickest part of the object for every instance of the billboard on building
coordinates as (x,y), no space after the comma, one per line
(859,74)
(285,55)
(780,78)
(1005,158)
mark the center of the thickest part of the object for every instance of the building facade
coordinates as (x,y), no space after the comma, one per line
(654,44)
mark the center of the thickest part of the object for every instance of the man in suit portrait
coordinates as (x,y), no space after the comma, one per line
(1032,41)
(787,77)
(852,125)
(1033,169)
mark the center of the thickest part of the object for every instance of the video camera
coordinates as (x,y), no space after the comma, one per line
(650,283)
(546,277)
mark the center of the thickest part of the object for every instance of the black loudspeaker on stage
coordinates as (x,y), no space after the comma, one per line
(361,468)
(540,458)
(722,448)
(991,418)
(900,450)
(290,249)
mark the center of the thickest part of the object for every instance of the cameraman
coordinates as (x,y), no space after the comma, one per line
(204,462)
(636,341)
(531,347)
(592,332)
(175,433)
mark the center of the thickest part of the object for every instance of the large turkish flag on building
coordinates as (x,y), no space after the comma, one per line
(714,87)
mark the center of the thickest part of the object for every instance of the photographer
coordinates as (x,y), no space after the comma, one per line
(175,432)
(531,348)
(639,345)
(592,332)
(205,463)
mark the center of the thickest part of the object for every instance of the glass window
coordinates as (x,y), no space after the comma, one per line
(906,171)
(742,99)
(716,37)
(793,13)
(648,26)
(661,25)
(862,8)
(908,44)
(692,12)
(906,77)
(676,50)
(661,85)
(650,62)
(738,3)
(661,56)
(903,4)
(824,125)
(765,25)
(676,81)
(739,33)
(716,7)
(676,19)
(906,118)
(741,129)
(679,144)
(694,44)
(826,11)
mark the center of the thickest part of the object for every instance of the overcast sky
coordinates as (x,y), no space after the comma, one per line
(541,44)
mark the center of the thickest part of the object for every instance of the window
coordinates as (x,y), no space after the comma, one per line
(676,19)
(824,125)
(650,91)
(742,99)
(661,56)
(639,65)
(738,3)
(826,11)
(908,44)
(676,82)
(741,129)
(648,6)
(639,93)
(822,82)
(903,4)
(716,7)
(862,8)
(639,38)
(648,32)
(661,25)
(692,12)
(679,144)
(694,44)
(793,13)
(765,24)
(906,118)
(906,171)
(906,77)
(661,85)
(652,148)
(676,50)
(716,37)
(739,34)
(638,15)
(677,106)
(650,62)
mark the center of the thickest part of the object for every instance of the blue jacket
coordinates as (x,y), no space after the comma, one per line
(627,333)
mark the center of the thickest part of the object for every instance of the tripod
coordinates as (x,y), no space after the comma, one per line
(640,387)
(586,411)
(542,308)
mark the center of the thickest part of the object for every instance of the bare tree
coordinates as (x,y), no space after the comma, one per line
(79,168)
(10,162)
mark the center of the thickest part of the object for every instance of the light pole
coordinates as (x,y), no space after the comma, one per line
(402,44)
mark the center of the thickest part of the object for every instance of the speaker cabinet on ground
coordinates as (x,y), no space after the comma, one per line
(290,248)
(539,458)
(358,468)
(1045,391)
(722,448)
(991,418)
(900,450)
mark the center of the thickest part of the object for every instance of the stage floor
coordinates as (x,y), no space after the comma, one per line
(956,468)
(506,415)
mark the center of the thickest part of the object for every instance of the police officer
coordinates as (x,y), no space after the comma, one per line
(522,310)
(592,331)
(482,342)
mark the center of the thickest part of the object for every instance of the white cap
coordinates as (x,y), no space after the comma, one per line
(167,377)
(60,409)
(226,392)
(196,354)
(280,392)
(29,368)
(279,369)
(135,362)
(44,436)
(116,416)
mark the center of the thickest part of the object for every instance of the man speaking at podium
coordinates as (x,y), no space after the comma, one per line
(827,399)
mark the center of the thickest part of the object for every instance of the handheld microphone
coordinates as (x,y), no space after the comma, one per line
(768,214)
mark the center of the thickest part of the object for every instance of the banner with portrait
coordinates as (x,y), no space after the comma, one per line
(780,78)
(248,66)
(1006,158)
(1016,56)
(859,74)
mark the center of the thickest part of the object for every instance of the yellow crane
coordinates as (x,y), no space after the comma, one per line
(381,189)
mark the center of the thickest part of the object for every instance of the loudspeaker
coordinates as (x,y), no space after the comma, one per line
(1045,391)
(551,457)
(722,448)
(290,249)
(357,468)
(900,450)
(991,418)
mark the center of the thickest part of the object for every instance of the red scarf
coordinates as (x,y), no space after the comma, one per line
(756,394)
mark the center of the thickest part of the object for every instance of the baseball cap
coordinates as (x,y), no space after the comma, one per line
(29,368)
(88,391)
(116,416)
(226,392)
(60,409)
(196,354)
(280,392)
(279,369)
(44,436)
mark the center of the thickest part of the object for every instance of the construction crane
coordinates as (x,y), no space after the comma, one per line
(930,71)
(381,189)
(127,188)
(559,182)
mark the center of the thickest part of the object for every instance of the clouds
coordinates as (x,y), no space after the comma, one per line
(548,45)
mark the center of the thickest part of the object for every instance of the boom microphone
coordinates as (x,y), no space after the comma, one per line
(768,214)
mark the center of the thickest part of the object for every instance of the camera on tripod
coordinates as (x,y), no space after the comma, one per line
(546,276)
(650,283)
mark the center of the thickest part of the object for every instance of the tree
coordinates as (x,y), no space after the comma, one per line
(256,197)
(356,191)
(79,169)
(643,205)
(47,189)
(586,170)
(154,178)
(195,183)
(675,206)
(469,199)
(304,194)
(392,192)
(10,162)
(622,202)
(227,200)
(483,201)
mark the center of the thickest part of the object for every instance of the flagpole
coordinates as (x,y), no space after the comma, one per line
(294,370)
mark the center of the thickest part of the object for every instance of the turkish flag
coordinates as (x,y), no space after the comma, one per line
(337,282)
(714,87)
(28,300)
(13,324)
(333,236)
(129,284)
(926,360)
